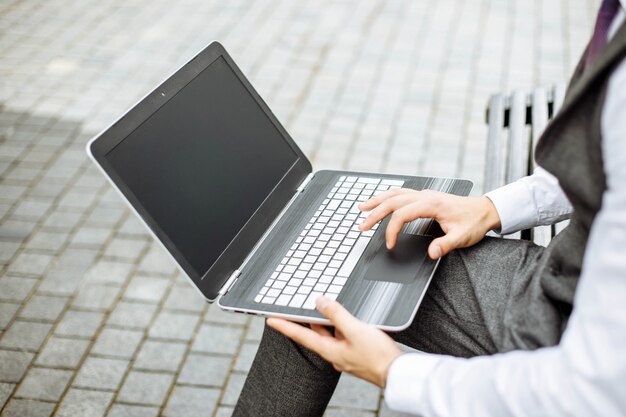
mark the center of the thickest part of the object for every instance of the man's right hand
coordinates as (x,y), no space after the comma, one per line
(464,220)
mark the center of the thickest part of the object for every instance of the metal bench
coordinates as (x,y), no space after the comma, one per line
(515,123)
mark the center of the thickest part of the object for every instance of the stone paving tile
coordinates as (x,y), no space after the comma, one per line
(62,280)
(84,403)
(62,353)
(13,365)
(15,288)
(216,315)
(145,388)
(41,307)
(105,216)
(191,401)
(126,410)
(204,370)
(117,342)
(62,219)
(101,373)
(255,330)
(90,236)
(185,297)
(5,393)
(142,288)
(160,356)
(7,250)
(30,408)
(352,392)
(246,356)
(79,323)
(125,248)
(25,335)
(217,339)
(132,227)
(170,325)
(105,271)
(233,388)
(48,241)
(157,261)
(224,411)
(19,230)
(7,312)
(96,296)
(30,263)
(385,411)
(132,315)
(44,384)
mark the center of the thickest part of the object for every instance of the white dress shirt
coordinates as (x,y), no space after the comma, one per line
(585,375)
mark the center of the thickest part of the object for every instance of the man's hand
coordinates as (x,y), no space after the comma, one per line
(356,347)
(464,220)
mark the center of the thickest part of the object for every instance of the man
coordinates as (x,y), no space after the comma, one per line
(510,328)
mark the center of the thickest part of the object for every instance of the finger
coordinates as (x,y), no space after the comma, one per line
(301,335)
(443,245)
(321,330)
(395,225)
(384,209)
(379,198)
(339,316)
(424,208)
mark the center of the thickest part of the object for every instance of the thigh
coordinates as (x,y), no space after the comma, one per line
(463,311)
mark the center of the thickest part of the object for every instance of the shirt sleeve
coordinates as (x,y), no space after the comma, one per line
(530,201)
(586,373)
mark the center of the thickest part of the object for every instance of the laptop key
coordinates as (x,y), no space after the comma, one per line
(273,292)
(290,290)
(310,301)
(283,300)
(297,300)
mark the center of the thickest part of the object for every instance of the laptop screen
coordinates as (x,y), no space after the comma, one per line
(203,163)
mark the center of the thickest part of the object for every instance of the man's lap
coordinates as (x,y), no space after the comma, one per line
(475,299)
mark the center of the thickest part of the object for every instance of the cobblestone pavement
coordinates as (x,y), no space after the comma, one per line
(94,319)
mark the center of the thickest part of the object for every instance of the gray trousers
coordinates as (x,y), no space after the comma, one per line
(482,300)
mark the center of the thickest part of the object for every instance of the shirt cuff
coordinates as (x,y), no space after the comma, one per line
(512,203)
(405,381)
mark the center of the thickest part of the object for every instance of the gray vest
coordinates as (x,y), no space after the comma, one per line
(571,149)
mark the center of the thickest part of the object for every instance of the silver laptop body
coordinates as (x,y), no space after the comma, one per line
(221,185)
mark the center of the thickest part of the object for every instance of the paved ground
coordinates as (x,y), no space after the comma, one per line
(94,319)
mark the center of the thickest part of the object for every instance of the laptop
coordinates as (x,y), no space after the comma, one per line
(227,192)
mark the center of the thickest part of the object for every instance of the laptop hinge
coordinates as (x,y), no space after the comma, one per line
(229,282)
(304,183)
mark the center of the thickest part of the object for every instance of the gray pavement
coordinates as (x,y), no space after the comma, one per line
(95,320)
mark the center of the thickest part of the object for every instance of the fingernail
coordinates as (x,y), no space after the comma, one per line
(321,302)
(437,252)
(388,244)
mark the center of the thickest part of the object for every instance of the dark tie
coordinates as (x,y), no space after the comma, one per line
(608,11)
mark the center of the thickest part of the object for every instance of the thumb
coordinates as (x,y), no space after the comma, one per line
(442,246)
(338,316)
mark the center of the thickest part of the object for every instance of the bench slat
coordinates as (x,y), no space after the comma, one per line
(541,235)
(494,154)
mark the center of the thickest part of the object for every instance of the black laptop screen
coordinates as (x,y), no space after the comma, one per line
(203,163)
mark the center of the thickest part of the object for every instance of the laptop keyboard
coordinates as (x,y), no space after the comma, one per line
(324,255)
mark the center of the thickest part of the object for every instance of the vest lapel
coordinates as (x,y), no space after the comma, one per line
(583,80)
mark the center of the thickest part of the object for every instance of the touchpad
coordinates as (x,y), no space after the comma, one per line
(407,261)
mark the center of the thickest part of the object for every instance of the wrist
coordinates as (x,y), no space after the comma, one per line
(385,374)
(490,216)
